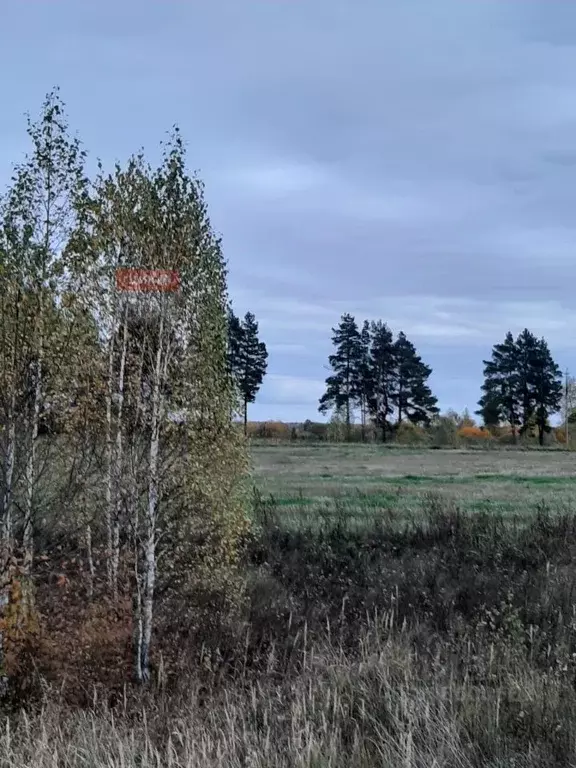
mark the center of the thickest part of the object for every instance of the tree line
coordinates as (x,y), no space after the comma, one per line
(383,378)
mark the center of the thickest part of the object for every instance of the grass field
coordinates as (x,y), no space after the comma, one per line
(359,479)
(449,641)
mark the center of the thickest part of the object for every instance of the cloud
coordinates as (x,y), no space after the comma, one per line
(275,179)
(291,390)
(309,187)
(406,161)
(552,246)
(434,320)
(287,349)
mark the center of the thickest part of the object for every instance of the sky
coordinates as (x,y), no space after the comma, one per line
(403,160)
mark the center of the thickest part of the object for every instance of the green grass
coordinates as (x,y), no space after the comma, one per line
(359,480)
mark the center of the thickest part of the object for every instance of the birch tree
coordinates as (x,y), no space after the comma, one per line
(39,211)
(194,470)
(111,240)
(165,358)
(14,318)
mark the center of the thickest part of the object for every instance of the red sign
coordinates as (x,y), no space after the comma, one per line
(147,280)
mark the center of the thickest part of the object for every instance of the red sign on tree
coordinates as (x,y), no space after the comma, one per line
(147,280)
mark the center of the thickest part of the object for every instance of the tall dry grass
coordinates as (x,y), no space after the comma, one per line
(448,644)
(377,709)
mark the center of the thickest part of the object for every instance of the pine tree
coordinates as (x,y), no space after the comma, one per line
(365,376)
(500,401)
(545,382)
(248,358)
(383,376)
(413,398)
(234,345)
(522,385)
(344,386)
(490,412)
(526,353)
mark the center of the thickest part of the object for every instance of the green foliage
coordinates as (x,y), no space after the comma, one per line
(378,374)
(247,357)
(522,385)
(109,369)
(414,399)
(344,386)
(444,431)
(42,334)
(407,433)
(338,426)
(500,399)
(383,378)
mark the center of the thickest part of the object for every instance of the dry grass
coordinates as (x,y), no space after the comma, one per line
(375,707)
(450,641)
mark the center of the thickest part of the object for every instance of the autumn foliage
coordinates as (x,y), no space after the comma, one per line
(269,429)
(474,433)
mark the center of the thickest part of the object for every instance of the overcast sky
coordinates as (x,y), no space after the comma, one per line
(409,160)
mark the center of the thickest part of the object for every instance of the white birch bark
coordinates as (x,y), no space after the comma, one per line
(7,533)
(137,628)
(10,455)
(90,559)
(28,531)
(117,474)
(109,465)
(149,575)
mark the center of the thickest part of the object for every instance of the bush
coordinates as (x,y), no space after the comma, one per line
(410,434)
(474,433)
(560,435)
(277,430)
(313,430)
(444,432)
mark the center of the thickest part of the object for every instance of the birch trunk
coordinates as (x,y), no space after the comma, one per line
(134,516)
(117,474)
(109,466)
(10,456)
(90,558)
(137,602)
(30,478)
(149,576)
(8,479)
(28,532)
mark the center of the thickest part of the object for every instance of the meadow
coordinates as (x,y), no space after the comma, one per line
(401,608)
(310,482)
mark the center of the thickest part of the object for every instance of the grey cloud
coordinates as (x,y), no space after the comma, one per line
(412,161)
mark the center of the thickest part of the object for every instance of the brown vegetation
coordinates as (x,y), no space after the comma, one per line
(449,643)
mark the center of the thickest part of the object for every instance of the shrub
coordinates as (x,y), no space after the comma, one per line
(444,432)
(410,434)
(559,435)
(314,430)
(272,430)
(474,433)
